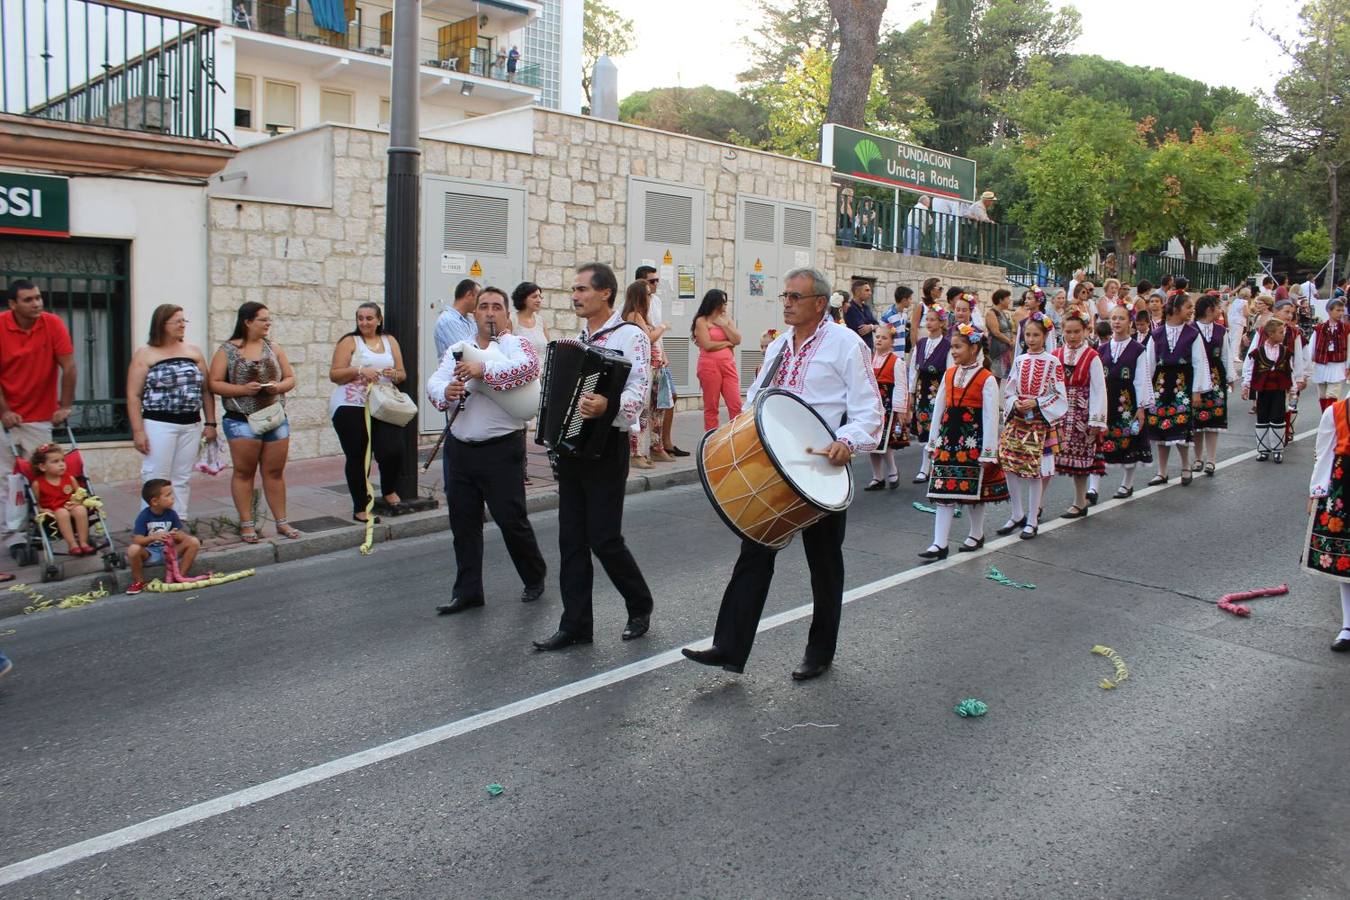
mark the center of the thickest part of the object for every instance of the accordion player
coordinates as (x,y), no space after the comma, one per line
(573,369)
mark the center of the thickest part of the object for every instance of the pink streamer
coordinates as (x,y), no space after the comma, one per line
(172,574)
(1228,602)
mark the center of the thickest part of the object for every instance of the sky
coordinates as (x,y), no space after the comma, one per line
(691,42)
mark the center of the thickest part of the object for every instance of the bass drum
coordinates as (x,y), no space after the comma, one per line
(761,478)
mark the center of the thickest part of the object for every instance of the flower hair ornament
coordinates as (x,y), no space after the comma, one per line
(970,332)
(938,311)
(1043,320)
(837,299)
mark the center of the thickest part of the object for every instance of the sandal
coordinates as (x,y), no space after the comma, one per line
(285,530)
(248,532)
(1209,470)
(1197,466)
(1157,480)
(876,484)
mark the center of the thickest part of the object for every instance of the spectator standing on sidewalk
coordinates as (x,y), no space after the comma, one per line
(641,447)
(663,383)
(361,358)
(527,298)
(716,336)
(166,396)
(34,347)
(898,317)
(250,374)
(456,323)
(859,315)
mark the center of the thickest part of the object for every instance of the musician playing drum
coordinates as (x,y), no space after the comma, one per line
(829,367)
(591,491)
(486,457)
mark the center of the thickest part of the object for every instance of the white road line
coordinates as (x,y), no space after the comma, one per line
(208,809)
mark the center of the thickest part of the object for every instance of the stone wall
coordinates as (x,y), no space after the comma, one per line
(894,269)
(313,265)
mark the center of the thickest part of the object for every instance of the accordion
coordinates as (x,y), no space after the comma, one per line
(573,369)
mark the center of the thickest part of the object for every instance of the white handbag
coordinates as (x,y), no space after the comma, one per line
(269,418)
(388,404)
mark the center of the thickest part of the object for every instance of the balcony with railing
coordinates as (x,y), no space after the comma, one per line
(458,47)
(108,63)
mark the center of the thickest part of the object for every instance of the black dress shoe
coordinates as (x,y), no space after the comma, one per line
(1028,535)
(875,485)
(1122,493)
(1340,645)
(532,593)
(637,626)
(933,552)
(1092,498)
(676,451)
(893,483)
(1011,527)
(970,548)
(1082,511)
(806,670)
(711,657)
(560,640)
(459,604)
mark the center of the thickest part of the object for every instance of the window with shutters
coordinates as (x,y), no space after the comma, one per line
(387,28)
(798,226)
(759,224)
(384,112)
(669,219)
(335,106)
(475,224)
(243,102)
(281,106)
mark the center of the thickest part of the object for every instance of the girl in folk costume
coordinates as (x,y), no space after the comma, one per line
(1079,453)
(1081,302)
(963,442)
(1211,414)
(1129,393)
(1267,375)
(1143,328)
(893,380)
(1033,302)
(1180,372)
(1327,548)
(1287,312)
(931,357)
(1327,350)
(1034,402)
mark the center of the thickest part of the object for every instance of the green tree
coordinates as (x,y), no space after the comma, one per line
(1205,191)
(604,33)
(786,30)
(1066,201)
(1312,246)
(1241,258)
(851,76)
(703,111)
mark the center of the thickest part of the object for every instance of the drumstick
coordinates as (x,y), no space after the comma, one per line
(814,452)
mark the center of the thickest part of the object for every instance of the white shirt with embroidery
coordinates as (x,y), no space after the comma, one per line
(832,372)
(482,417)
(632,342)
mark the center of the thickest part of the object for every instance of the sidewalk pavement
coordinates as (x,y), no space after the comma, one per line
(317,504)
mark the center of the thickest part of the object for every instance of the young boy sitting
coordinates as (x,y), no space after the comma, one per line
(156,525)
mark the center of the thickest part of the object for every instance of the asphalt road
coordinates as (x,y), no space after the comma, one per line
(1215,770)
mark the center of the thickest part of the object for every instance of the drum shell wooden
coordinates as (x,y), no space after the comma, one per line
(748,489)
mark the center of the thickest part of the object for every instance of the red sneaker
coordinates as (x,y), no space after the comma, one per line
(135,587)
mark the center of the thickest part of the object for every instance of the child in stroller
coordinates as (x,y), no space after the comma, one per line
(60,496)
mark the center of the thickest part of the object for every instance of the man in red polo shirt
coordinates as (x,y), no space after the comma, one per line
(34,347)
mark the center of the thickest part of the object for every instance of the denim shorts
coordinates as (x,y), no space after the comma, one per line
(238,430)
(154,554)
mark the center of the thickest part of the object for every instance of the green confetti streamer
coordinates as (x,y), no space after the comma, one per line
(970,708)
(931,510)
(996,575)
(495,789)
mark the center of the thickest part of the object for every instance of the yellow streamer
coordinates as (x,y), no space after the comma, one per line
(1122,672)
(163,587)
(43,602)
(370,489)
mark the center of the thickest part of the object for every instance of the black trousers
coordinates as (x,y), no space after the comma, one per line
(492,473)
(590,520)
(387,447)
(743,601)
(1270,420)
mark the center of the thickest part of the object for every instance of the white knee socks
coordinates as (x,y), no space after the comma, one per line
(1035,489)
(942,524)
(976,521)
(1015,498)
(1095,483)
(1345,609)
(892,471)
(1128,481)
(876,461)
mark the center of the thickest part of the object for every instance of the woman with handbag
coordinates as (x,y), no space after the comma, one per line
(250,374)
(363,359)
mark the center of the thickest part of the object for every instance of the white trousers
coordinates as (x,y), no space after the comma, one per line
(173,452)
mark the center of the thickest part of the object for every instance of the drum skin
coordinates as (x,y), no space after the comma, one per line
(746,486)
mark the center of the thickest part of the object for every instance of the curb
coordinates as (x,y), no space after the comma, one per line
(279,550)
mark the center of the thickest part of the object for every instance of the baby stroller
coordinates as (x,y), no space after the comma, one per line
(39,536)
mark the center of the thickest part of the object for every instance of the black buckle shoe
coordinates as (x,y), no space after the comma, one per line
(1011,526)
(532,593)
(458,605)
(967,547)
(637,626)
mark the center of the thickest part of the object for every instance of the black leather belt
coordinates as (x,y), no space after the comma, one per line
(490,441)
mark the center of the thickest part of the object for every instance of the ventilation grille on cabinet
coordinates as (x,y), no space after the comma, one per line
(798,226)
(759,223)
(475,224)
(669,219)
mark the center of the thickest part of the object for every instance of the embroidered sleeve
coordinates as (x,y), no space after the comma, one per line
(440,379)
(862,431)
(1320,484)
(520,367)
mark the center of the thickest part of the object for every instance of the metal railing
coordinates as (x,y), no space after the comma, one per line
(871,224)
(99,62)
(298,23)
(1203,276)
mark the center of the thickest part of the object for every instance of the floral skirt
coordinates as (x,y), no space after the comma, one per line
(1170,420)
(1328,543)
(893,434)
(1125,443)
(1212,413)
(924,395)
(1078,452)
(957,474)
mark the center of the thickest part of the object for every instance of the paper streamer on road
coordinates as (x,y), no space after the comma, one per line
(996,575)
(970,708)
(175,580)
(923,508)
(1229,602)
(494,789)
(41,601)
(1122,672)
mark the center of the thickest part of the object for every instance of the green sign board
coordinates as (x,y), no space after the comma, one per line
(34,204)
(870,157)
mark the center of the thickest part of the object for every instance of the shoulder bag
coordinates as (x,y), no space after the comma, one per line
(388,404)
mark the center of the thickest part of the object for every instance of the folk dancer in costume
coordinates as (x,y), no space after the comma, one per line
(1143,328)
(1327,350)
(826,366)
(1211,414)
(1034,402)
(591,491)
(963,442)
(1287,312)
(1035,301)
(1180,371)
(486,457)
(1327,548)
(1129,393)
(1267,376)
(1079,454)
(893,381)
(931,357)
